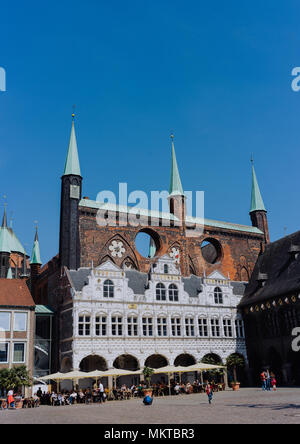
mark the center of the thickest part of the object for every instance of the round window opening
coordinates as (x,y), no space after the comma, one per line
(147,243)
(211,250)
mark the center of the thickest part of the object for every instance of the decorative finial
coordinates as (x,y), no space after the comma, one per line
(73,114)
(252,159)
(172,136)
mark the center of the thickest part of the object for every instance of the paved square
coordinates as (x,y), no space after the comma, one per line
(245,406)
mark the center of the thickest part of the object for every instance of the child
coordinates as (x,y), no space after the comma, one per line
(209,392)
(11,400)
(273,382)
(148,399)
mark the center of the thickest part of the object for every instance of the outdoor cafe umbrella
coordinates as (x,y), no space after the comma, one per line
(95,374)
(170,369)
(202,367)
(117,372)
(74,375)
(54,377)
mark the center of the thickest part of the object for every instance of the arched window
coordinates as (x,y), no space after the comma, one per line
(108,289)
(160,292)
(173,293)
(218,296)
(166,269)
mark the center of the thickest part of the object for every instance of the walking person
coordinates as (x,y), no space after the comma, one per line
(209,392)
(268,381)
(101,393)
(274,383)
(263,381)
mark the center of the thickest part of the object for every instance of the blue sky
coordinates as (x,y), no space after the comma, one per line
(218,74)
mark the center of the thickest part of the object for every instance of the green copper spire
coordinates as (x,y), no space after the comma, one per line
(72,163)
(257,203)
(175,183)
(5,237)
(36,258)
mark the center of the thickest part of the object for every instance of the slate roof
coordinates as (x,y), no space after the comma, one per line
(15,293)
(282,269)
(138,282)
(238,288)
(79,278)
(193,285)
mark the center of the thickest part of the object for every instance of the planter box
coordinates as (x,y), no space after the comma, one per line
(235,386)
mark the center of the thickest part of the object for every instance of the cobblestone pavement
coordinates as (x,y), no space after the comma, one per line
(245,406)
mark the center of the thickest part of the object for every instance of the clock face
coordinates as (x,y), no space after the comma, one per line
(74,192)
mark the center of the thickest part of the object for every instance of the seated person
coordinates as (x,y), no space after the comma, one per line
(148,398)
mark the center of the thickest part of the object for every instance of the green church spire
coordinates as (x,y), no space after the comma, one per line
(36,258)
(72,165)
(175,183)
(257,203)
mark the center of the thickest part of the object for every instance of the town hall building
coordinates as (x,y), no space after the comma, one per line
(116,307)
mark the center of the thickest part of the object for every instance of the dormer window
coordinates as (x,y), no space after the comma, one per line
(218,295)
(108,289)
(262,279)
(166,269)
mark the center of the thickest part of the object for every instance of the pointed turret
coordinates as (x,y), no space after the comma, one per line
(72,166)
(36,258)
(71,189)
(257,203)
(258,212)
(5,247)
(175,182)
(176,194)
(35,267)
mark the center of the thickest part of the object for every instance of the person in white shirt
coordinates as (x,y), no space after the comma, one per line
(101,392)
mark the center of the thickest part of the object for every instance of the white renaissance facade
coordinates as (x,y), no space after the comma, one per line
(129,319)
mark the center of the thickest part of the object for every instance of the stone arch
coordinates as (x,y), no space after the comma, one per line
(156,361)
(126,362)
(212,358)
(129,252)
(93,362)
(184,360)
(105,259)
